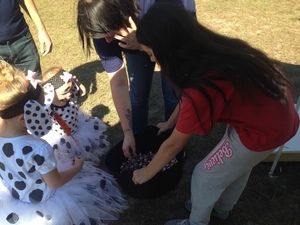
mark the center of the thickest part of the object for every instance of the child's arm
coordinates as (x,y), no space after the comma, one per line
(55,179)
(164,126)
(167,151)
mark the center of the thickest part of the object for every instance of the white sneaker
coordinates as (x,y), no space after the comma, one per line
(178,222)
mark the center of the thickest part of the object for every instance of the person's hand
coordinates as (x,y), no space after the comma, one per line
(82,89)
(128,147)
(163,126)
(78,162)
(45,42)
(127,37)
(140,176)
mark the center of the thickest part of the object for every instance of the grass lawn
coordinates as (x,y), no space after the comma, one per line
(271,25)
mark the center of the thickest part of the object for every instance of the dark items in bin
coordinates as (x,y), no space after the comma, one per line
(162,183)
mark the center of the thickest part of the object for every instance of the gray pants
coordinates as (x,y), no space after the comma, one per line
(220,178)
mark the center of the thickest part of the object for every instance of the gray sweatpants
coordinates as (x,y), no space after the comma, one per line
(220,178)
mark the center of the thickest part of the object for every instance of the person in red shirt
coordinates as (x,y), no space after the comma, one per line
(222,80)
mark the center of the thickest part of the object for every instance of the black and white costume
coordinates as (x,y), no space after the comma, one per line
(91,197)
(86,137)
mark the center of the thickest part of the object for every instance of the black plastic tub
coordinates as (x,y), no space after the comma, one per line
(162,183)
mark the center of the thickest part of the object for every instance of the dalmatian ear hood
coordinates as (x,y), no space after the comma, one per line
(49,93)
(37,117)
(59,79)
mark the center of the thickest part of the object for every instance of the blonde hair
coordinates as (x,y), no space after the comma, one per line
(13,85)
(51,72)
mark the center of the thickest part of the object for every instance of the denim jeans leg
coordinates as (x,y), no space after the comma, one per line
(5,53)
(140,71)
(170,100)
(25,55)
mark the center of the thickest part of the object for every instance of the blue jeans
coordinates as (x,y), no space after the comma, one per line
(23,54)
(140,71)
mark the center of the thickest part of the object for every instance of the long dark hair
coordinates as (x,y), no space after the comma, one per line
(189,53)
(95,18)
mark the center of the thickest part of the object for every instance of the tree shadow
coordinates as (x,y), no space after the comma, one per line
(86,74)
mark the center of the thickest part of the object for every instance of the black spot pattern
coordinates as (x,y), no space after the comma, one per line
(92,221)
(10,176)
(87,148)
(2,166)
(37,108)
(102,183)
(62,140)
(20,185)
(36,196)
(29,104)
(40,214)
(38,181)
(26,150)
(8,149)
(31,170)
(20,162)
(22,175)
(43,115)
(68,145)
(12,218)
(39,159)
(15,194)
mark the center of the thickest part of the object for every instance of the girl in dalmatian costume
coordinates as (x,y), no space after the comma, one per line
(73,132)
(32,190)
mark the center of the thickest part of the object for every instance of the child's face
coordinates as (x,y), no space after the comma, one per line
(64,92)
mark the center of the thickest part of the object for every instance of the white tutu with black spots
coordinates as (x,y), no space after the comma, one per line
(87,139)
(91,198)
(73,131)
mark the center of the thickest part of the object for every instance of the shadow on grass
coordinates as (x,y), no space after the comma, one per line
(293,74)
(86,74)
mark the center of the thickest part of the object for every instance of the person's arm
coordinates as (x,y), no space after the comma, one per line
(55,179)
(44,39)
(167,151)
(120,94)
(170,123)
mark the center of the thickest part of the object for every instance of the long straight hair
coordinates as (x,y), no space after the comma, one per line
(189,53)
(96,18)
